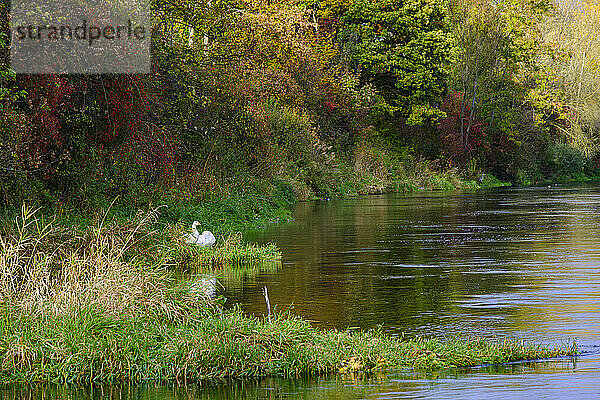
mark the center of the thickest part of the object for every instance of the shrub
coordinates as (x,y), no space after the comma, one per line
(563,160)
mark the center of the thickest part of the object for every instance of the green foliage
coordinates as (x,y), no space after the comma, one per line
(8,90)
(501,69)
(563,161)
(490,181)
(12,178)
(321,97)
(403,49)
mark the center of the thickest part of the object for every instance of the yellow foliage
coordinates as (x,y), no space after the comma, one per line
(576,63)
(333,8)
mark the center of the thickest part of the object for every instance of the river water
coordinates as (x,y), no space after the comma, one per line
(517,262)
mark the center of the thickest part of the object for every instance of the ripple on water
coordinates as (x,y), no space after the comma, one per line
(520,263)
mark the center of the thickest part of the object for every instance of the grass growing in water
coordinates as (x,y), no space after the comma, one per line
(96,308)
(88,345)
(230,250)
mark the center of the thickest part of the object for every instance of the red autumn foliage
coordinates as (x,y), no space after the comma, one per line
(119,112)
(328,26)
(461,136)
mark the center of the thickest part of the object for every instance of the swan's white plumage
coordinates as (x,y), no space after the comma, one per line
(206,239)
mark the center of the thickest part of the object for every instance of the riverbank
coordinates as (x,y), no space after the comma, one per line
(199,342)
(105,306)
(247,201)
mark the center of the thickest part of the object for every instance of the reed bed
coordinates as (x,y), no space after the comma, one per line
(104,306)
(49,269)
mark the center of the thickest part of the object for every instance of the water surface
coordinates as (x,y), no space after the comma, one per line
(512,262)
(517,262)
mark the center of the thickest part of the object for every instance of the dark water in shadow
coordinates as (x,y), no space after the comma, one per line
(521,263)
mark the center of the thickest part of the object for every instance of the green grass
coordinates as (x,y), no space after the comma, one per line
(229,251)
(87,345)
(238,209)
(258,204)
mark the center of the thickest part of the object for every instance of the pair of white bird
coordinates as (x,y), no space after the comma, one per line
(204,239)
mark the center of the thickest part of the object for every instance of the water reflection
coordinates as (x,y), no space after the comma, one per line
(558,380)
(511,262)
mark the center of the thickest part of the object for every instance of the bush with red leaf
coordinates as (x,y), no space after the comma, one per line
(461,133)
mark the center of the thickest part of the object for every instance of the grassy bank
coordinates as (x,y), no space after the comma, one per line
(245,202)
(202,342)
(105,306)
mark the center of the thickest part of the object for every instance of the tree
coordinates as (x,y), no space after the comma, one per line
(498,73)
(576,71)
(403,48)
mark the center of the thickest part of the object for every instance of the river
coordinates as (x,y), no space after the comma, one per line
(517,262)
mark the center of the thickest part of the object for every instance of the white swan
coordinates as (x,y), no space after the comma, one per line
(204,239)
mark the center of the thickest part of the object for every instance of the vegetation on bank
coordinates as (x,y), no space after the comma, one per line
(104,306)
(250,107)
(195,342)
(325,98)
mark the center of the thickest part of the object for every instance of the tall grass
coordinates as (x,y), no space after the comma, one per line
(92,347)
(53,270)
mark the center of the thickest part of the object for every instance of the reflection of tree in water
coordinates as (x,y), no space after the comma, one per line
(419,262)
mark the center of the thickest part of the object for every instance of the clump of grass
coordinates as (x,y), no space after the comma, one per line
(91,346)
(380,170)
(490,181)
